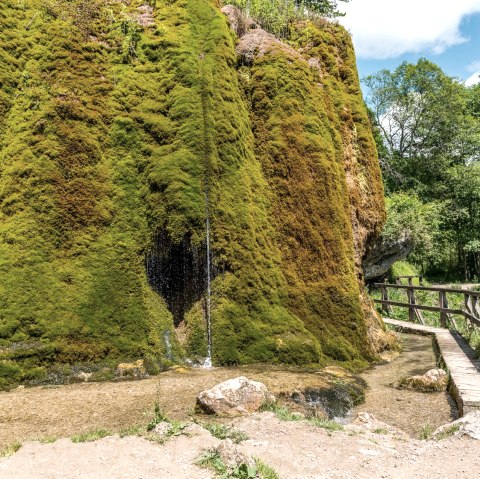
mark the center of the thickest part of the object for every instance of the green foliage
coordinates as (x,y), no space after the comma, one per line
(265,471)
(211,459)
(426,432)
(420,112)
(10,450)
(222,431)
(447,432)
(429,127)
(158,417)
(402,268)
(326,424)
(278,16)
(281,412)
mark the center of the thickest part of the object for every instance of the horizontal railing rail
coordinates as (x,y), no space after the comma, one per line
(470,310)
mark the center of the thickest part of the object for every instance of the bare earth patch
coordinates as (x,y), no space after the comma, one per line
(33,413)
(296,450)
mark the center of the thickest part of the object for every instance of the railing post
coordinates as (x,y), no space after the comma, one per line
(442,300)
(411,302)
(385,307)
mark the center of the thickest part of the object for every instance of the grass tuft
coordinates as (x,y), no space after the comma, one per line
(11,449)
(91,436)
(426,432)
(222,431)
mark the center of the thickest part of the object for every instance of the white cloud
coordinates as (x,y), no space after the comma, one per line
(388,28)
(473,79)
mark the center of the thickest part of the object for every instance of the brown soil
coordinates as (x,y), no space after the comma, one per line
(61,411)
(296,450)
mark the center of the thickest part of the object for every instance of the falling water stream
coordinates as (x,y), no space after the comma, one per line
(208,360)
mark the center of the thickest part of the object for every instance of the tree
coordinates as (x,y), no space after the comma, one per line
(427,130)
(325,8)
(276,16)
(420,112)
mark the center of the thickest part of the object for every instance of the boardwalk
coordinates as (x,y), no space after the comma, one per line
(459,359)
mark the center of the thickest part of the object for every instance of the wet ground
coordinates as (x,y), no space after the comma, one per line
(62,411)
(408,410)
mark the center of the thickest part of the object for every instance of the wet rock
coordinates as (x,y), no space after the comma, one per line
(432,380)
(234,397)
(468,425)
(134,370)
(231,455)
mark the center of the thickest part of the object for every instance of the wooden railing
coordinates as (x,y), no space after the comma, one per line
(470,310)
(398,279)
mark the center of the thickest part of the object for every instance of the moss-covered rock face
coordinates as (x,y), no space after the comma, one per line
(123,125)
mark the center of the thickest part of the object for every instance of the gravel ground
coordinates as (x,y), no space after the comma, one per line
(296,450)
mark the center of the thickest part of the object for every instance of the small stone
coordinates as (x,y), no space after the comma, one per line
(432,380)
(162,428)
(468,425)
(232,456)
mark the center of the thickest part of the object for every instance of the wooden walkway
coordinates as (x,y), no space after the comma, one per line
(459,358)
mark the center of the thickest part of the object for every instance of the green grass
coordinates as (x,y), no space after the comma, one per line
(11,449)
(211,459)
(222,431)
(326,424)
(448,432)
(91,436)
(426,432)
(380,430)
(282,412)
(158,417)
(136,430)
(265,471)
(47,439)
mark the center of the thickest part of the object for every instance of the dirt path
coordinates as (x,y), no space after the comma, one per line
(296,450)
(408,410)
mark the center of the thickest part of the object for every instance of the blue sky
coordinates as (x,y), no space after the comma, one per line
(388,32)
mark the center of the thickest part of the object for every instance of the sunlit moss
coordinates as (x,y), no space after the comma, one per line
(111,132)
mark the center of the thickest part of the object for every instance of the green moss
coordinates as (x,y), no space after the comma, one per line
(112,133)
(299,131)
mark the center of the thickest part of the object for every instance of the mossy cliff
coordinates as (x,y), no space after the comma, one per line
(122,126)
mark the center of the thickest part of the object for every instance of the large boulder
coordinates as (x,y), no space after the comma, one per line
(234,397)
(383,254)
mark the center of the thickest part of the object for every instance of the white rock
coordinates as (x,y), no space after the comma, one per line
(234,397)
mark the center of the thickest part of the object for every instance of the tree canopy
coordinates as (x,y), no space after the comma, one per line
(428,138)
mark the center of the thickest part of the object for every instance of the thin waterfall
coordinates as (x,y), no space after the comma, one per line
(208,360)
